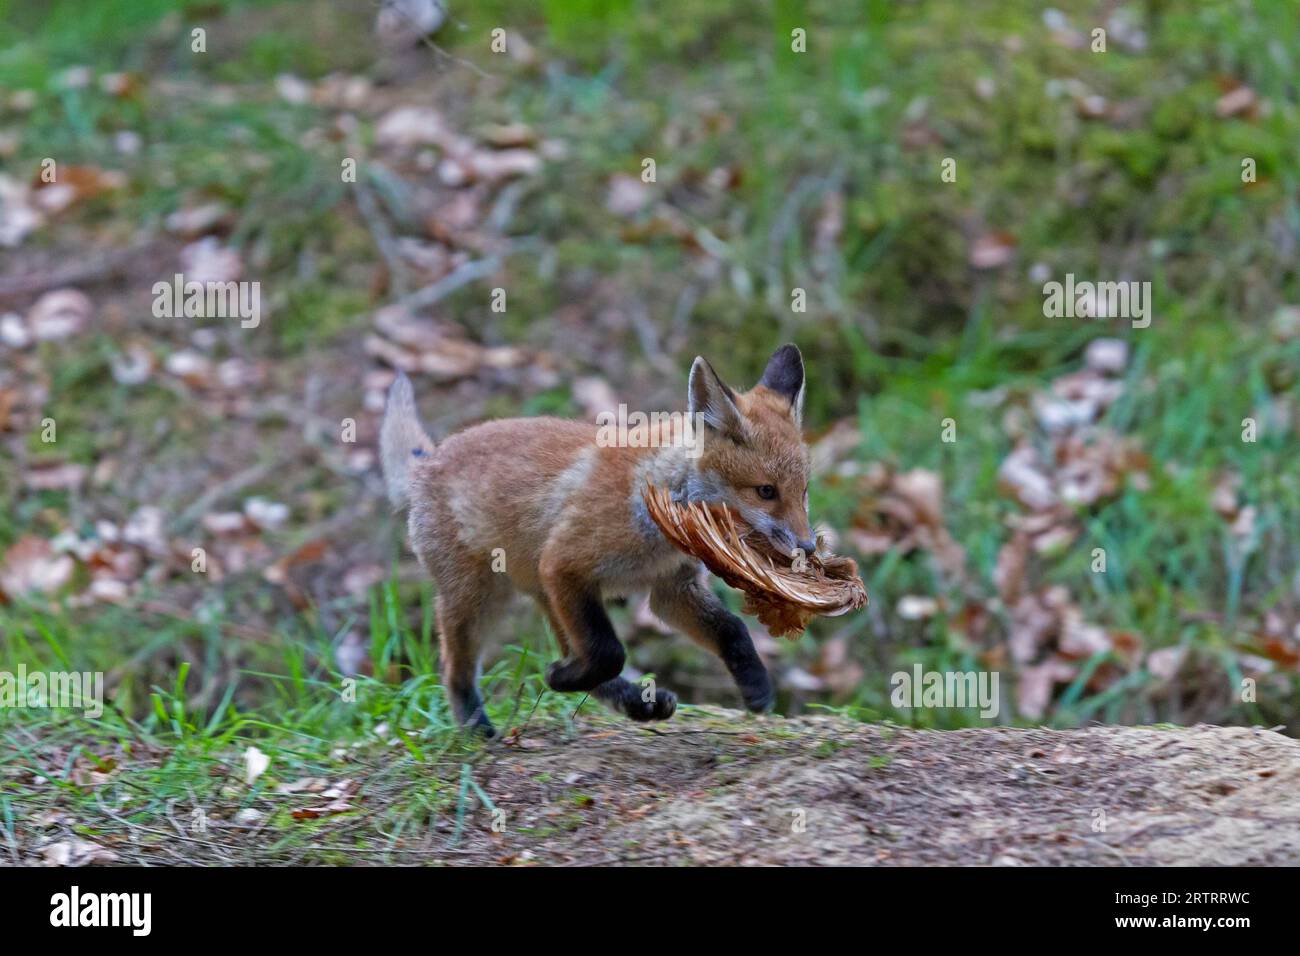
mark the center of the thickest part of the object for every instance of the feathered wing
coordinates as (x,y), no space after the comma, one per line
(782,598)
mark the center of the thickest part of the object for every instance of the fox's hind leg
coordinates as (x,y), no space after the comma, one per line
(686,602)
(469,600)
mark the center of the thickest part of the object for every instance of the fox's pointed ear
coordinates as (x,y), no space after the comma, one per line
(784,375)
(710,397)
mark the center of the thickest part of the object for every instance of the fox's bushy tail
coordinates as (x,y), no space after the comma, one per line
(401,439)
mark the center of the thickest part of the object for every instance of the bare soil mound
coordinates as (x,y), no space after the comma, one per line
(713,786)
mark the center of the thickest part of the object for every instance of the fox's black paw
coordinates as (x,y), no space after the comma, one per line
(637,701)
(482,726)
(661,705)
(751,678)
(468,709)
(759,695)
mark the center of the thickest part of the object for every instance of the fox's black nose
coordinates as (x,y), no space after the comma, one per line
(788,541)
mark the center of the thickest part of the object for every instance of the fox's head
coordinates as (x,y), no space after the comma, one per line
(753,458)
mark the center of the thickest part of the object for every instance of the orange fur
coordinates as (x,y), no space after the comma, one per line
(539,506)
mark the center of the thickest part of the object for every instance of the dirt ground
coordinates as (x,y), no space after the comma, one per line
(711,787)
(718,787)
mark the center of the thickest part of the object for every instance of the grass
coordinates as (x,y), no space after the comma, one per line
(185,760)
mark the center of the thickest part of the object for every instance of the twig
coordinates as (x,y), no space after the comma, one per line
(579,707)
(8,825)
(503,210)
(610,860)
(96,270)
(238,848)
(180,614)
(1113,849)
(240,480)
(462,275)
(383,236)
(519,733)
(428,42)
(686,302)
(787,219)
(434,292)
(649,338)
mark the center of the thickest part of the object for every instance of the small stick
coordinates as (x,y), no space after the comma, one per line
(96,270)
(383,237)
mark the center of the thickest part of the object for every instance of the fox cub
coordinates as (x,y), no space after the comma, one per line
(545,506)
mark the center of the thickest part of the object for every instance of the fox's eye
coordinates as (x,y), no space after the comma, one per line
(766,492)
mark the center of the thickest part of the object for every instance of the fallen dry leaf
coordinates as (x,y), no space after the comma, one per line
(329,809)
(194,221)
(77,852)
(403,23)
(509,135)
(1238,101)
(193,368)
(1036,685)
(916,607)
(226,523)
(267,515)
(304,785)
(992,250)
(1165,662)
(63,477)
(74,184)
(207,260)
(59,314)
(13,331)
(1107,356)
(1021,473)
(594,395)
(627,195)
(408,126)
(19,217)
(132,366)
(30,565)
(255,764)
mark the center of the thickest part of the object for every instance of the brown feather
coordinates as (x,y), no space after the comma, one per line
(782,598)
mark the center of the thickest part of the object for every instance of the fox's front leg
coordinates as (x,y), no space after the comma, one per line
(637,701)
(593,652)
(687,603)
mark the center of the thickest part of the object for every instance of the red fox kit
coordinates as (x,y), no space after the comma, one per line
(552,509)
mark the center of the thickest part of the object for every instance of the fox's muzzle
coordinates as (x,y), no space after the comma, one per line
(779,533)
(787,541)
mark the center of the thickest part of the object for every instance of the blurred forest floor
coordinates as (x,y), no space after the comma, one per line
(521,170)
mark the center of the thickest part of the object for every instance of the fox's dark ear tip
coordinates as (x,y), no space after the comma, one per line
(784,373)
